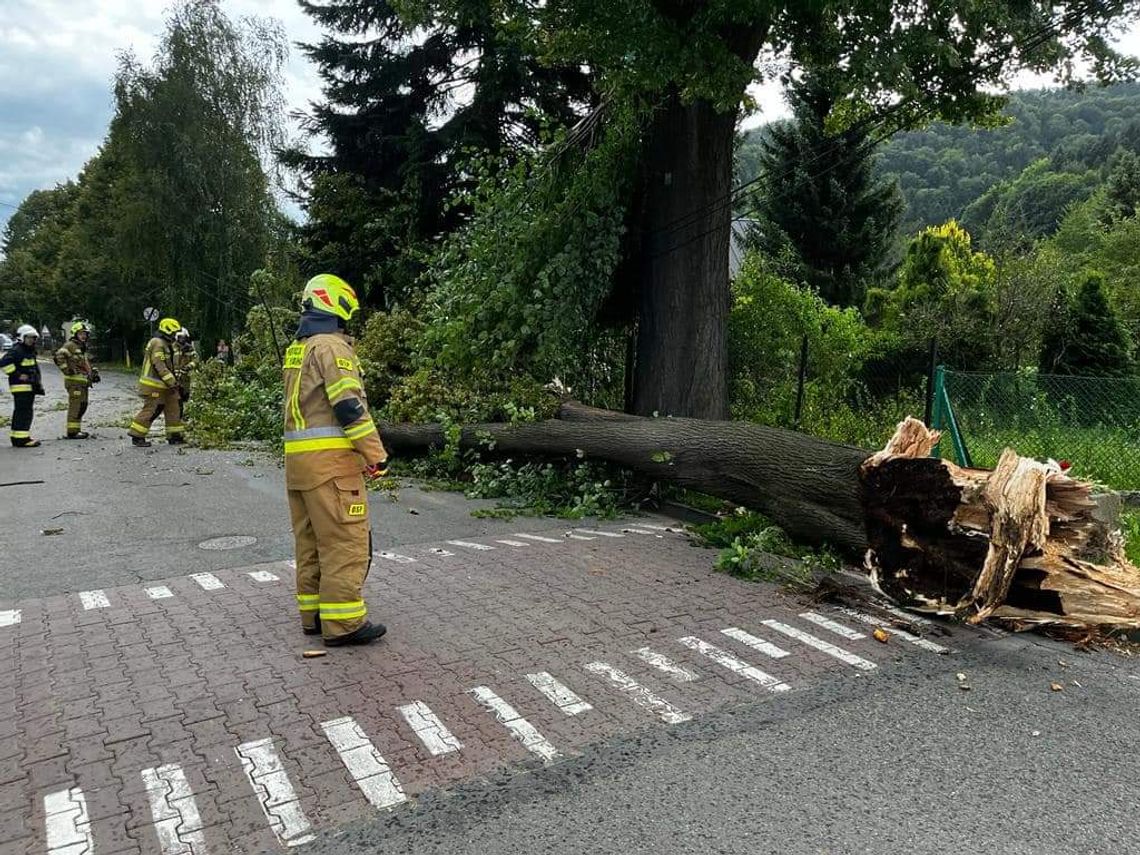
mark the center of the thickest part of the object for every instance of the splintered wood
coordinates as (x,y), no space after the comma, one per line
(1019,544)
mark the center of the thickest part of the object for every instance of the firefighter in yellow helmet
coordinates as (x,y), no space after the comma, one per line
(78,376)
(158,388)
(331,443)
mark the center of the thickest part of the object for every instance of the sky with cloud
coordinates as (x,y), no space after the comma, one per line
(58,57)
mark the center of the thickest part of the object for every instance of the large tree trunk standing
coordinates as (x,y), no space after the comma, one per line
(681,355)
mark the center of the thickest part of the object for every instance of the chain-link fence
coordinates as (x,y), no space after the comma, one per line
(1093,422)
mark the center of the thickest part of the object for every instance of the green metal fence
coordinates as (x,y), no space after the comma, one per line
(1094,422)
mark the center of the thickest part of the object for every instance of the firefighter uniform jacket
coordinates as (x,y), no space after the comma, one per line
(19,363)
(185,361)
(157,373)
(328,430)
(74,364)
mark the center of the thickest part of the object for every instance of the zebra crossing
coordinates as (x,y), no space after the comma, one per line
(177,826)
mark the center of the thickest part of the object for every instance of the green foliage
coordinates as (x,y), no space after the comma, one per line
(751,548)
(567,490)
(387,349)
(1130,527)
(822,199)
(1122,191)
(1085,336)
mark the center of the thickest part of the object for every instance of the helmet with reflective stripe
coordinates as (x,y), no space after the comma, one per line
(27,330)
(80,326)
(169,326)
(331,295)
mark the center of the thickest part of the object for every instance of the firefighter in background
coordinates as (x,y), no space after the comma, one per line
(185,361)
(331,444)
(159,388)
(24,382)
(78,376)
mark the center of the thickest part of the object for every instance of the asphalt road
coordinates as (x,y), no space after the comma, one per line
(903,761)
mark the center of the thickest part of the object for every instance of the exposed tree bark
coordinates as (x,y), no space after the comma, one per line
(807,486)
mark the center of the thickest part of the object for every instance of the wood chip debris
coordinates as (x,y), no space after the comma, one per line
(314,654)
(881,635)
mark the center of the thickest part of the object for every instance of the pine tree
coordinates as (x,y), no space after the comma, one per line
(1085,335)
(821,198)
(405,103)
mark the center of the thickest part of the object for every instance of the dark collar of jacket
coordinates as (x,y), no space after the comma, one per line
(315,323)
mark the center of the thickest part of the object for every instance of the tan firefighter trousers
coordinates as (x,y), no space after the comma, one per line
(76,407)
(165,402)
(334,552)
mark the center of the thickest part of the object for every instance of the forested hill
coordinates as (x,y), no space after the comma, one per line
(943,170)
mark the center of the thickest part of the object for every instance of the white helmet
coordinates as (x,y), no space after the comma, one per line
(27,330)
(183,334)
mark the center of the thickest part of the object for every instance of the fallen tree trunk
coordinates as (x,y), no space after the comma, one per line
(807,486)
(1019,544)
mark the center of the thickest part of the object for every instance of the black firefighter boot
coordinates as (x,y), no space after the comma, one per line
(365,634)
(140,442)
(82,434)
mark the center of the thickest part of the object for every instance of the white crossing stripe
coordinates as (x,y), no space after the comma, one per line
(432,732)
(737,666)
(176,819)
(666,665)
(278,799)
(599,532)
(94,600)
(560,695)
(370,771)
(573,536)
(921,643)
(466,544)
(207,581)
(159,592)
(397,557)
(638,693)
(68,828)
(10,617)
(264,576)
(538,538)
(520,728)
(832,626)
(636,530)
(755,642)
(440,551)
(821,645)
(515,543)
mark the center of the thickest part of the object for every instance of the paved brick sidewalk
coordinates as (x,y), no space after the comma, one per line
(180,716)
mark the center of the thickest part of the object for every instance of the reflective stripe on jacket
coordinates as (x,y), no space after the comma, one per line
(328,430)
(156,374)
(73,364)
(21,368)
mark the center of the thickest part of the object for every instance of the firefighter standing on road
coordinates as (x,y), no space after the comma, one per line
(185,361)
(159,388)
(331,442)
(24,382)
(78,375)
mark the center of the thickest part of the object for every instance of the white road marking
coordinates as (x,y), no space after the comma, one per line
(638,693)
(515,543)
(755,642)
(655,527)
(466,544)
(599,532)
(573,536)
(560,695)
(870,620)
(94,600)
(207,581)
(441,552)
(821,645)
(397,557)
(11,617)
(68,828)
(278,799)
(538,538)
(176,819)
(432,732)
(159,592)
(832,626)
(370,771)
(737,666)
(520,728)
(264,576)
(666,665)
(636,530)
